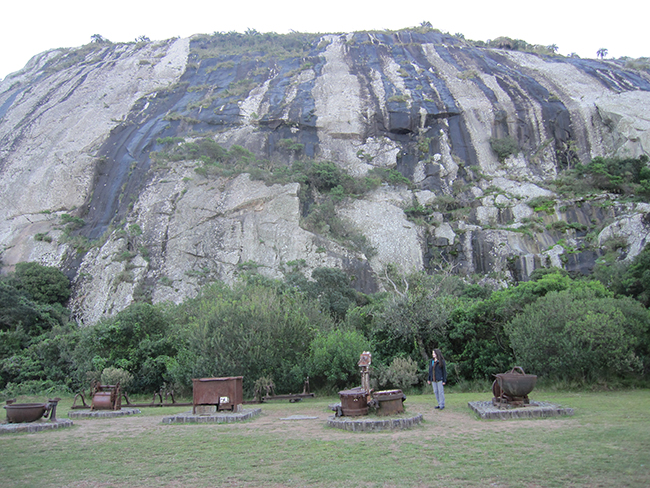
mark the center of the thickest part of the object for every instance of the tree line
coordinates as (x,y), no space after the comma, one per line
(562,328)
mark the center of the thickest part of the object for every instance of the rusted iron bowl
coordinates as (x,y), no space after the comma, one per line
(25,412)
(514,383)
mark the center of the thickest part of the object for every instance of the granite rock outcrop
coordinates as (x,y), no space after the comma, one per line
(79,188)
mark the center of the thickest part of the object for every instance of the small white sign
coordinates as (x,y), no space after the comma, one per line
(224,400)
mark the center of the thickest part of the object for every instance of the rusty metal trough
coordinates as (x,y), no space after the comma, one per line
(223,393)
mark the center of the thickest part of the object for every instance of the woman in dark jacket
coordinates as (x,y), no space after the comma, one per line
(438,377)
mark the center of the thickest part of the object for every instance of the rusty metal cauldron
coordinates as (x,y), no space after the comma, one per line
(354,402)
(513,387)
(30,412)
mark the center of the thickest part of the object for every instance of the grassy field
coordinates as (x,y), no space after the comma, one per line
(606,443)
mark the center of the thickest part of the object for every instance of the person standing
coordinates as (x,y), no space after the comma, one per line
(438,377)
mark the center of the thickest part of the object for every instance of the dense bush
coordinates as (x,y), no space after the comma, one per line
(43,284)
(35,335)
(18,311)
(334,357)
(578,334)
(139,340)
(504,147)
(629,175)
(635,281)
(402,373)
(249,330)
(625,176)
(253,44)
(113,376)
(46,359)
(413,324)
(476,341)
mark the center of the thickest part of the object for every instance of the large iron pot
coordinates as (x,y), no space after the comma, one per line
(30,412)
(25,412)
(514,383)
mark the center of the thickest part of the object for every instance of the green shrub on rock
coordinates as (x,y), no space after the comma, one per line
(504,147)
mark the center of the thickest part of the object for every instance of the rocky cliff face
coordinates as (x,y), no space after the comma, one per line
(80,190)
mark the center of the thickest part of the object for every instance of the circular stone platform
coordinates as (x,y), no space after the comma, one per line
(102,414)
(219,417)
(363,424)
(486,410)
(35,426)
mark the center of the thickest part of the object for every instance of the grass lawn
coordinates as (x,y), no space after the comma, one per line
(606,443)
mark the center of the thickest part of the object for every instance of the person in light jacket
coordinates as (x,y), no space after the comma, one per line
(438,377)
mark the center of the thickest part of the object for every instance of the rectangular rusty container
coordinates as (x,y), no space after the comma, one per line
(225,393)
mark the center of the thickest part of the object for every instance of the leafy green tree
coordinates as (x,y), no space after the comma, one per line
(334,357)
(43,284)
(618,175)
(413,324)
(610,273)
(477,342)
(137,339)
(250,331)
(21,314)
(34,329)
(579,334)
(16,309)
(99,39)
(628,176)
(35,363)
(332,288)
(416,317)
(636,279)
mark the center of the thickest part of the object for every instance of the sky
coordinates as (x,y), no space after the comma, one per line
(575,26)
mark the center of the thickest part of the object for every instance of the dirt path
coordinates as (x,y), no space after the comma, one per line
(281,419)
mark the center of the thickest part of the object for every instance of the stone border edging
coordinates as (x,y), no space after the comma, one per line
(219,418)
(86,414)
(372,425)
(486,410)
(34,426)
